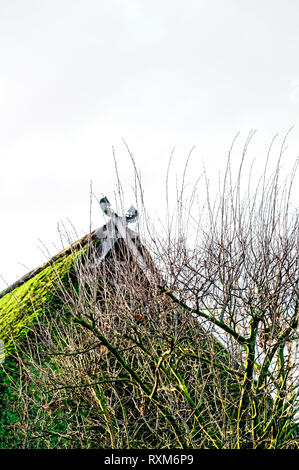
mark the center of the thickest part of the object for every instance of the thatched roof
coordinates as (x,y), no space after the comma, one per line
(37,292)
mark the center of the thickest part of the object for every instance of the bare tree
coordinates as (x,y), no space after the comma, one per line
(241,280)
(194,347)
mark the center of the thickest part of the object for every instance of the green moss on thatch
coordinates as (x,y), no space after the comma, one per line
(36,294)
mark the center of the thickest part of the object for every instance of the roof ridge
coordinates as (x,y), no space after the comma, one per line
(85,239)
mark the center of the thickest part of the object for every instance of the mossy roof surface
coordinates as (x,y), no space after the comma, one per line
(36,293)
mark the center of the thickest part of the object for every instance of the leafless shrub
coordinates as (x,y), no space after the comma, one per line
(198,350)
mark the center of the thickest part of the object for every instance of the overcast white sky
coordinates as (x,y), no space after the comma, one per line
(78,75)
